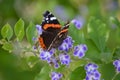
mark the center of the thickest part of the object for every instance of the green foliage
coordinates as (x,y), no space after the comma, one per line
(19,29)
(7,46)
(31,32)
(78,74)
(116,53)
(98,32)
(7,31)
(107,71)
(44,74)
(115,21)
(10,67)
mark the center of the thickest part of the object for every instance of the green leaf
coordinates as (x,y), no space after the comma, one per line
(116,53)
(78,74)
(10,66)
(93,52)
(30,33)
(80,34)
(44,74)
(115,21)
(19,29)
(7,31)
(106,57)
(7,46)
(107,71)
(98,33)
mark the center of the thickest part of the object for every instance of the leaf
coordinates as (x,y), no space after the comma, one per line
(7,31)
(19,29)
(116,53)
(7,46)
(98,33)
(93,52)
(107,71)
(44,74)
(30,33)
(78,74)
(115,21)
(11,68)
(80,34)
(106,57)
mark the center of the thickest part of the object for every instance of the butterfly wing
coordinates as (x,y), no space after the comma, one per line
(58,40)
(51,28)
(50,23)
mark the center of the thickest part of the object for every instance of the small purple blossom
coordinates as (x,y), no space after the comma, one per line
(91,67)
(39,29)
(55,62)
(116,63)
(45,55)
(93,76)
(78,22)
(66,45)
(56,76)
(64,59)
(80,50)
(91,72)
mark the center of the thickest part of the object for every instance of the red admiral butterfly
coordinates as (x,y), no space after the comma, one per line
(52,35)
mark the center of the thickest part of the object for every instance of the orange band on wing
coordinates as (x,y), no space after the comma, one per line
(51,25)
(41,42)
(64,30)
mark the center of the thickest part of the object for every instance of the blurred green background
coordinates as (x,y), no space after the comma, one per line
(13,67)
(32,10)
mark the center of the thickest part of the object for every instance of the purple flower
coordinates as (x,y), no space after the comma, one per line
(116,63)
(66,45)
(91,72)
(78,22)
(39,29)
(45,55)
(56,76)
(54,61)
(90,68)
(80,50)
(93,76)
(64,59)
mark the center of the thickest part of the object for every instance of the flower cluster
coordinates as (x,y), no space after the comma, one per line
(56,76)
(66,45)
(116,63)
(64,59)
(45,55)
(80,50)
(91,72)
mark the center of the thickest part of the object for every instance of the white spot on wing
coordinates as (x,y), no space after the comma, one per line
(52,18)
(46,18)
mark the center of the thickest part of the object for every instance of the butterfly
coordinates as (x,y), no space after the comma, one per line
(53,33)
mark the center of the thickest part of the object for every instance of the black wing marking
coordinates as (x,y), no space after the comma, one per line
(49,18)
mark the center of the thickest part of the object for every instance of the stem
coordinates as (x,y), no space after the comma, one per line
(115,75)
